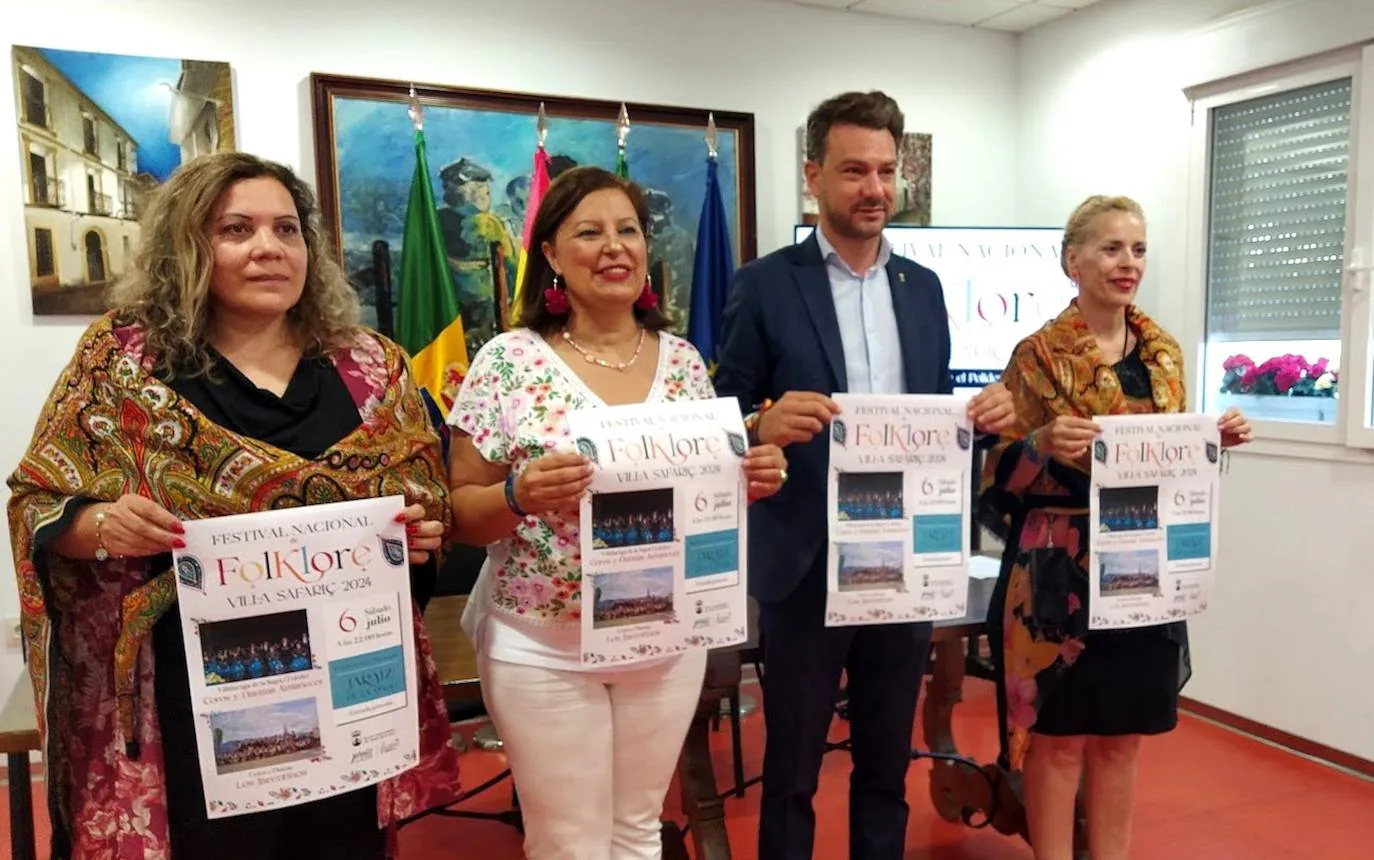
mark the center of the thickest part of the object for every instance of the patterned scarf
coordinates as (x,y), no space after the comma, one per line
(1059,371)
(110,427)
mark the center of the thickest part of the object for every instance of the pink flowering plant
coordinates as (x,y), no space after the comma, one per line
(1283,376)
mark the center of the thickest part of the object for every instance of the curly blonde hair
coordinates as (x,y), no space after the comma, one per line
(166,292)
(1080,227)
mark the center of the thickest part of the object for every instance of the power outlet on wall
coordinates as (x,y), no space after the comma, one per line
(13,635)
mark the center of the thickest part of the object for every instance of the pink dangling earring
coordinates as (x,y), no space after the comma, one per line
(648,299)
(556,300)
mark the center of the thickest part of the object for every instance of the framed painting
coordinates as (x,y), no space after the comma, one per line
(97,133)
(480,146)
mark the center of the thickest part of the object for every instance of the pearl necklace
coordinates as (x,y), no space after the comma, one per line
(621,366)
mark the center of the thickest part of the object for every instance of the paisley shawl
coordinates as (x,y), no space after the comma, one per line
(1058,370)
(110,427)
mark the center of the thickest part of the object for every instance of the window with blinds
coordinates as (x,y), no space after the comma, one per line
(1279,181)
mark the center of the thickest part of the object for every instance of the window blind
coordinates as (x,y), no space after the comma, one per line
(1279,180)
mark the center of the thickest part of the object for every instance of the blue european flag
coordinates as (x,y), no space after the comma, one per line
(712,270)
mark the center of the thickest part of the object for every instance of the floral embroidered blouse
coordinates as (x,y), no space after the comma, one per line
(514,404)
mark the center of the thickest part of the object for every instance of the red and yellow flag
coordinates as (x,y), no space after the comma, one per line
(539,183)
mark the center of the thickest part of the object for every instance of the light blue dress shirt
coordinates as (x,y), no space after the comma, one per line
(868,324)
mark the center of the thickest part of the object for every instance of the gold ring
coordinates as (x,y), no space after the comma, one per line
(782,476)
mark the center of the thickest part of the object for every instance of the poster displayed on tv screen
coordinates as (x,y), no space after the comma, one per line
(1001,284)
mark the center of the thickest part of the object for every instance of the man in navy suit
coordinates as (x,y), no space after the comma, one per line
(838,312)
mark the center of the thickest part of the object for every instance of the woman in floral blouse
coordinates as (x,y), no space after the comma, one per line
(592,750)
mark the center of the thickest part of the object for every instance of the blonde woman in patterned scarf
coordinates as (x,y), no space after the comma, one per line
(1075,704)
(230,377)
(592,750)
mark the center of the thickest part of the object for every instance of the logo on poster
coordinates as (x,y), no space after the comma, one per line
(191,574)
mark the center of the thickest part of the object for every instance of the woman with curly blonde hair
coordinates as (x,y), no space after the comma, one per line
(230,376)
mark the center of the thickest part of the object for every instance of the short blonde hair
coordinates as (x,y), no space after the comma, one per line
(166,292)
(1080,227)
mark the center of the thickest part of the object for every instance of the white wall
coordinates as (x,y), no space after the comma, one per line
(773,60)
(1102,109)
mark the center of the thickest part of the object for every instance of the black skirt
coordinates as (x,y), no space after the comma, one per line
(1125,682)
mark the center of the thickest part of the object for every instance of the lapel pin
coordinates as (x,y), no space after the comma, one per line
(901,277)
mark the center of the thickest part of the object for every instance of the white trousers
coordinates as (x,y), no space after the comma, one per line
(592,753)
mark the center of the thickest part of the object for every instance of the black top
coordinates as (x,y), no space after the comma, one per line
(1134,376)
(312,415)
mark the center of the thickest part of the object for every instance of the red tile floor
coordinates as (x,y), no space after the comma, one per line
(1206,793)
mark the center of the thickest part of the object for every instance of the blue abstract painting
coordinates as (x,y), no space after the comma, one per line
(481,160)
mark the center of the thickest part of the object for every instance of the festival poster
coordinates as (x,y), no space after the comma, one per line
(301,652)
(1153,537)
(663,529)
(898,505)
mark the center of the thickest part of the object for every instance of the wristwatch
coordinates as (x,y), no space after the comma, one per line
(101,553)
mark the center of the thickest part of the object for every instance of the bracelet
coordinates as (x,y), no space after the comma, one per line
(510,496)
(751,422)
(101,553)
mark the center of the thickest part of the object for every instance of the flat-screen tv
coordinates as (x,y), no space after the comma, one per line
(1001,284)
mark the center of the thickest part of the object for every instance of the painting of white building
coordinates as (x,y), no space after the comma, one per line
(96,133)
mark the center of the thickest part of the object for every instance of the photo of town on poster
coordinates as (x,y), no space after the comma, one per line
(662,529)
(300,652)
(899,509)
(1153,517)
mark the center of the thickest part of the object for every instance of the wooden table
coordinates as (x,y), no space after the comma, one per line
(454,656)
(18,738)
(961,789)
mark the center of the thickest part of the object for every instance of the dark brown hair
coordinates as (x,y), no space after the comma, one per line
(561,198)
(876,110)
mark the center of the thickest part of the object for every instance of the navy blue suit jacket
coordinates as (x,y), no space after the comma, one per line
(779,334)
